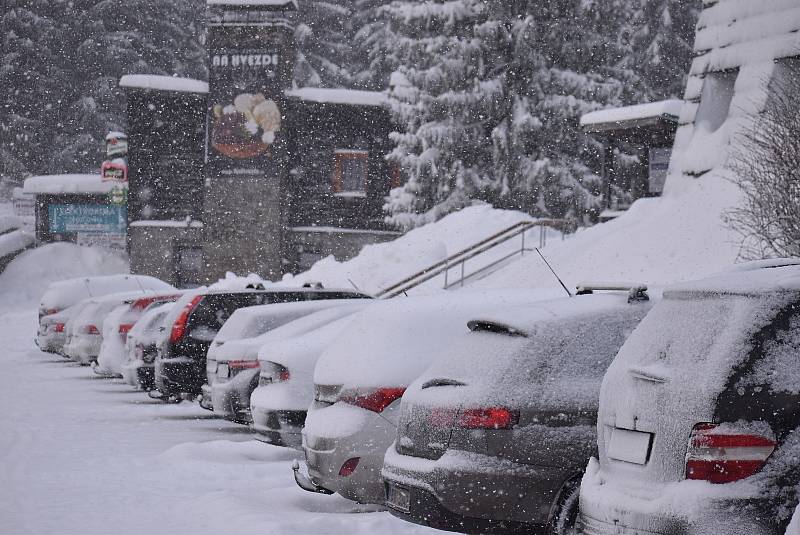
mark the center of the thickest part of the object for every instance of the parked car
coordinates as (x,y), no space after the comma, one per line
(699,419)
(180,366)
(85,330)
(63,294)
(116,326)
(495,435)
(286,378)
(52,333)
(140,346)
(359,379)
(232,365)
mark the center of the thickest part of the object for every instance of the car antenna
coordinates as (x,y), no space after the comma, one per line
(554,272)
(354,285)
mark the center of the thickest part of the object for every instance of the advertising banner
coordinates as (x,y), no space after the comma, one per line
(87,218)
(249,67)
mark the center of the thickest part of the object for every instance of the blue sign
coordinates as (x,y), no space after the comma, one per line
(88,218)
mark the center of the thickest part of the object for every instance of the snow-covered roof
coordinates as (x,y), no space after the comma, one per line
(80,184)
(167,223)
(163,83)
(115,135)
(339,96)
(732,33)
(630,116)
(275,4)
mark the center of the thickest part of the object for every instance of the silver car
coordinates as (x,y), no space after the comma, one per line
(361,377)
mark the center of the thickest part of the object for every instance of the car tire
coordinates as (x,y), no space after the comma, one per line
(564,518)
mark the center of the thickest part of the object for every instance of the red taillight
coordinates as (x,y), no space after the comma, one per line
(58,328)
(179,327)
(349,466)
(723,456)
(284,375)
(90,329)
(491,418)
(124,328)
(243,364)
(376,400)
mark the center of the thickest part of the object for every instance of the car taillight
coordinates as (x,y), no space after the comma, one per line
(90,329)
(720,455)
(58,328)
(349,466)
(273,373)
(373,400)
(236,366)
(179,327)
(489,418)
(124,328)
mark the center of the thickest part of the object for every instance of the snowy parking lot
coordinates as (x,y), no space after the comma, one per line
(82,454)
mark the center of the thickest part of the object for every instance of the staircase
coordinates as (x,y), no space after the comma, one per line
(458,261)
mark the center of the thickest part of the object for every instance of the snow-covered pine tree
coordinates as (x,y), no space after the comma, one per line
(61,60)
(374,44)
(501,121)
(444,98)
(662,41)
(324,37)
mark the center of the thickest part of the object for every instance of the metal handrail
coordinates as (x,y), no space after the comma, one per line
(443,266)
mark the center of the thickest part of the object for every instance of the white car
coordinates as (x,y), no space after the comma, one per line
(63,294)
(140,347)
(232,361)
(286,381)
(85,330)
(52,333)
(361,377)
(116,327)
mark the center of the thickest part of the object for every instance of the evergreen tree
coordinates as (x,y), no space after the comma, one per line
(60,65)
(324,36)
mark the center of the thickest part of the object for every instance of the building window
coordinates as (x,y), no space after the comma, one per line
(715,101)
(350,172)
(188,266)
(395,175)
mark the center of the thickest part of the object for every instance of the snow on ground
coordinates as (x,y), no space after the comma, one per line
(86,455)
(381,265)
(658,241)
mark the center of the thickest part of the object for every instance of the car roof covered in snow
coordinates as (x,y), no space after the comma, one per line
(770,277)
(392,342)
(62,294)
(522,320)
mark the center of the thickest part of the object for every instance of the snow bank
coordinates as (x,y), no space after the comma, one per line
(9,222)
(14,241)
(28,275)
(381,265)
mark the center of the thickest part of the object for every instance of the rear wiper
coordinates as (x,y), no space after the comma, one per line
(442,382)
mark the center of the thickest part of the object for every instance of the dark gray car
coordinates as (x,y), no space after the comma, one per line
(495,435)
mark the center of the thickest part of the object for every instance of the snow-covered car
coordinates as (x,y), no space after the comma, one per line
(286,378)
(699,419)
(116,326)
(232,365)
(52,333)
(359,379)
(63,294)
(180,366)
(495,435)
(85,329)
(140,347)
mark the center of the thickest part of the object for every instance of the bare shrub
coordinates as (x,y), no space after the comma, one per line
(766,163)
